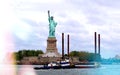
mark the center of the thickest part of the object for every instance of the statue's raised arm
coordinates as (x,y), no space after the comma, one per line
(48,14)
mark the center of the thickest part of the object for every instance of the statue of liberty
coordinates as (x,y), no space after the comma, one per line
(52,25)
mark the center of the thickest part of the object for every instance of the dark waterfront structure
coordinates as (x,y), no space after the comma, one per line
(95,43)
(99,44)
(97,55)
(95,38)
(68,45)
(62,45)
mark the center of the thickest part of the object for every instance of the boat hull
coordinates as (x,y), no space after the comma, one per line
(68,66)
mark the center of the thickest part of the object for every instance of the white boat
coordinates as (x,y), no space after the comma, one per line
(51,64)
(64,63)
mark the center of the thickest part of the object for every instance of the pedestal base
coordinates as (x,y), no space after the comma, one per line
(51,50)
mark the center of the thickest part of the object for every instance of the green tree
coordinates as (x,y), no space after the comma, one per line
(74,53)
(27,53)
(85,56)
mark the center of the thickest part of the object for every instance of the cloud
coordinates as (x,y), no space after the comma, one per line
(108,3)
(28,21)
(31,37)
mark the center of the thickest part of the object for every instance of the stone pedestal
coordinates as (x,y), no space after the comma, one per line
(51,44)
(51,50)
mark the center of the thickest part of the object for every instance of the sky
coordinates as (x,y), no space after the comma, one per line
(24,24)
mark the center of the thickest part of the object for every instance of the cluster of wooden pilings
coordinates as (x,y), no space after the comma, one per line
(68,44)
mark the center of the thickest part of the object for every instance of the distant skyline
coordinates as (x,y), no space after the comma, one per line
(25,23)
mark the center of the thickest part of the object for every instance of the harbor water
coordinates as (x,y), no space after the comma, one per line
(28,70)
(103,70)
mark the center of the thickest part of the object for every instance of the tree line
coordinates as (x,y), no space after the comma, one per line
(85,56)
(27,53)
(82,55)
